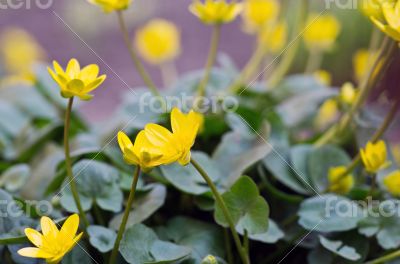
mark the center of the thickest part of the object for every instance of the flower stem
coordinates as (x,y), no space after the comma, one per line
(228,246)
(225,211)
(386,258)
(68,164)
(212,55)
(314,61)
(125,217)
(138,64)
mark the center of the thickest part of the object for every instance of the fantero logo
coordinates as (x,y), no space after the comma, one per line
(25,4)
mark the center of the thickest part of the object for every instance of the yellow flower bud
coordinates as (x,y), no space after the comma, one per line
(362,60)
(259,13)
(338,183)
(324,77)
(392,183)
(348,93)
(374,156)
(215,12)
(321,32)
(158,41)
(111,5)
(209,260)
(327,113)
(274,37)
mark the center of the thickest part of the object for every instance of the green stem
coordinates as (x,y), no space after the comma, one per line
(212,55)
(125,217)
(138,64)
(68,164)
(97,214)
(386,258)
(314,61)
(246,245)
(228,246)
(225,211)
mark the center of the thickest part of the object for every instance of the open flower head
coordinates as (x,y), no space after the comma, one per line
(374,156)
(111,5)
(75,81)
(371,8)
(215,12)
(158,41)
(176,144)
(392,183)
(257,14)
(338,183)
(390,24)
(143,153)
(274,37)
(321,32)
(52,244)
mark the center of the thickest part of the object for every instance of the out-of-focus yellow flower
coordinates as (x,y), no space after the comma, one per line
(76,82)
(52,244)
(215,12)
(337,182)
(111,5)
(321,32)
(143,153)
(210,259)
(274,37)
(348,93)
(392,183)
(327,113)
(374,156)
(259,13)
(158,41)
(323,77)
(19,51)
(371,8)
(391,16)
(362,61)
(176,145)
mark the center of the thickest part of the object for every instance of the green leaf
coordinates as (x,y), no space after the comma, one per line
(140,245)
(272,236)
(101,238)
(339,248)
(96,182)
(321,160)
(143,206)
(329,213)
(15,177)
(79,254)
(188,179)
(248,209)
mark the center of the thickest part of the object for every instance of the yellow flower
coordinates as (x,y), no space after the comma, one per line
(374,156)
(52,244)
(371,8)
(19,51)
(392,183)
(391,15)
(258,13)
(274,37)
(215,11)
(111,5)
(324,77)
(158,41)
(337,182)
(142,153)
(362,60)
(176,145)
(76,82)
(348,93)
(321,32)
(327,113)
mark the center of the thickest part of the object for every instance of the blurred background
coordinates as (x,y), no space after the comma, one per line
(74,28)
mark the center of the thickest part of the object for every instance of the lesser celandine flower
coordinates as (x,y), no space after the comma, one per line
(321,32)
(392,183)
(274,37)
(158,41)
(362,60)
(339,183)
(75,81)
(176,145)
(259,13)
(215,12)
(374,156)
(111,5)
(52,244)
(348,93)
(391,19)
(371,8)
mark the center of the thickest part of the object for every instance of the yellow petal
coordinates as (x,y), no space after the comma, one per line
(48,227)
(34,236)
(94,84)
(69,228)
(58,68)
(32,252)
(89,72)
(123,141)
(158,135)
(73,69)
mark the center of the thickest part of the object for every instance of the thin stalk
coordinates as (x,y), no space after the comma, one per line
(314,61)
(246,241)
(138,64)
(225,211)
(125,217)
(228,246)
(212,55)
(386,258)
(68,164)
(97,214)
(168,73)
